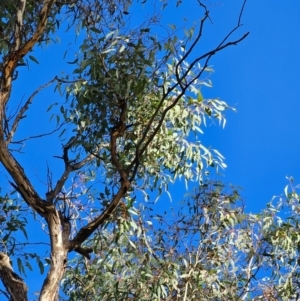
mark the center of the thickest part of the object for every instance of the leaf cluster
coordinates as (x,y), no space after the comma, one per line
(207,249)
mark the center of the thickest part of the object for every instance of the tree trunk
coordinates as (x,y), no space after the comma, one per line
(59,234)
(59,229)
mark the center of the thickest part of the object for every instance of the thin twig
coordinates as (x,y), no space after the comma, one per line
(20,115)
(241,13)
(38,136)
(5,294)
(207,55)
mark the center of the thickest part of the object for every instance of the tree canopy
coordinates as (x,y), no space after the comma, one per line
(126,119)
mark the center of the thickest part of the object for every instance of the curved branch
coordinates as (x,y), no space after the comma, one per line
(11,60)
(188,52)
(39,135)
(23,185)
(25,107)
(13,283)
(86,231)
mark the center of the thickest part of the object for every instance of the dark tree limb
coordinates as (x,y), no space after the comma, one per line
(117,132)
(39,135)
(144,141)
(86,231)
(22,183)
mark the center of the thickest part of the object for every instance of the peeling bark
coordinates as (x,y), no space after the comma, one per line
(59,254)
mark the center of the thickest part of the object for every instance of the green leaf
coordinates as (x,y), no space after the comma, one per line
(62,132)
(73,62)
(96,30)
(29,266)
(41,267)
(34,59)
(20,265)
(199,96)
(24,231)
(50,107)
(48,260)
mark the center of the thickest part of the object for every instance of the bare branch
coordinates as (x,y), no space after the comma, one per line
(38,136)
(241,13)
(206,16)
(20,114)
(68,169)
(212,53)
(24,187)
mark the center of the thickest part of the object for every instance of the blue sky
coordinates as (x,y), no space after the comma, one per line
(260,78)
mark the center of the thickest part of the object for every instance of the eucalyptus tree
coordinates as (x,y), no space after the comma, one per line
(127,118)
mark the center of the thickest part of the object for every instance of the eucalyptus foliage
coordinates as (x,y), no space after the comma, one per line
(129,115)
(207,248)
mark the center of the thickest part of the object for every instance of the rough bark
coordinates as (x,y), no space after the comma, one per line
(14,285)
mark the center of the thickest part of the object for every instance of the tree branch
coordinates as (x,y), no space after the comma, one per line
(23,185)
(69,167)
(25,107)
(180,79)
(38,136)
(241,12)
(88,230)
(188,52)
(15,55)
(14,284)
